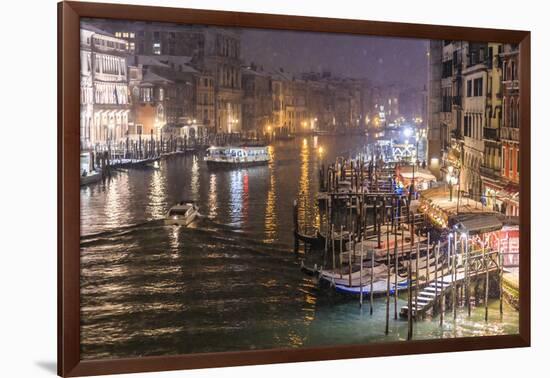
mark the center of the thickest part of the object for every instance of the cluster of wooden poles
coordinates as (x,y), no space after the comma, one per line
(147,148)
(392,212)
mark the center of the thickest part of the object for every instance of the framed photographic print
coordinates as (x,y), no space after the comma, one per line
(239,188)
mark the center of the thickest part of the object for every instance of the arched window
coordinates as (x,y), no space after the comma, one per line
(517,114)
(505,118)
(511,116)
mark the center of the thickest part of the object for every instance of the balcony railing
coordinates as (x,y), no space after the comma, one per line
(509,133)
(490,133)
(488,172)
(457,100)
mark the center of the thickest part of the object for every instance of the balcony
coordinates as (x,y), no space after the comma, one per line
(509,133)
(489,173)
(490,133)
(457,100)
(456,134)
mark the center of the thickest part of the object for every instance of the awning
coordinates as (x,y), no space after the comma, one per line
(509,193)
(424,176)
(420,174)
(476,223)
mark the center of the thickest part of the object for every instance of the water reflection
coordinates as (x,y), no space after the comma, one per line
(236,197)
(195,183)
(304,183)
(213,196)
(270,206)
(157,195)
(175,241)
(114,213)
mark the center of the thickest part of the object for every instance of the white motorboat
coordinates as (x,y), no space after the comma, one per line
(181,214)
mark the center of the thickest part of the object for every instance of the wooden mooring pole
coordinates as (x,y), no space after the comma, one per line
(428,260)
(441,291)
(500,274)
(486,264)
(361,277)
(409,310)
(296,226)
(331,232)
(467,277)
(453,277)
(388,262)
(417,279)
(372,282)
(396,272)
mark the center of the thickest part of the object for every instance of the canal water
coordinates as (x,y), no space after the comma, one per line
(230,281)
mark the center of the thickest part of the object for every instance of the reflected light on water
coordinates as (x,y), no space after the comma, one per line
(195,183)
(236,197)
(213,196)
(303,197)
(270,225)
(157,195)
(174,241)
(115,211)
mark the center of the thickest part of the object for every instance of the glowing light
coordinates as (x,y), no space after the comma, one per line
(407,132)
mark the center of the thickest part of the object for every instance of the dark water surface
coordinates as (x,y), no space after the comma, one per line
(230,281)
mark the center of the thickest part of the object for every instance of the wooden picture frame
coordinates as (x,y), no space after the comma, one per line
(69,14)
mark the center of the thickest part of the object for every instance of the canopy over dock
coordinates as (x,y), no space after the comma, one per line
(444,211)
(479,223)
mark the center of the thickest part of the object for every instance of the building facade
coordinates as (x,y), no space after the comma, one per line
(104,98)
(434,145)
(213,52)
(478,117)
(475,103)
(510,130)
(257,100)
(491,164)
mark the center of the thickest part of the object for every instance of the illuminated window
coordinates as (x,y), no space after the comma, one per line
(125,35)
(146,94)
(132,35)
(118,34)
(156,48)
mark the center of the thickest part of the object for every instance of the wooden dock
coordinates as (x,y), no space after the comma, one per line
(479,264)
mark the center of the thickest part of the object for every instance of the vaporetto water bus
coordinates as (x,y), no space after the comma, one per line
(232,156)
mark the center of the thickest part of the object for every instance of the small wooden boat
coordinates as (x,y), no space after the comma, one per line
(379,287)
(358,275)
(90,178)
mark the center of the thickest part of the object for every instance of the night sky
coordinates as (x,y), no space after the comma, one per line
(381,59)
